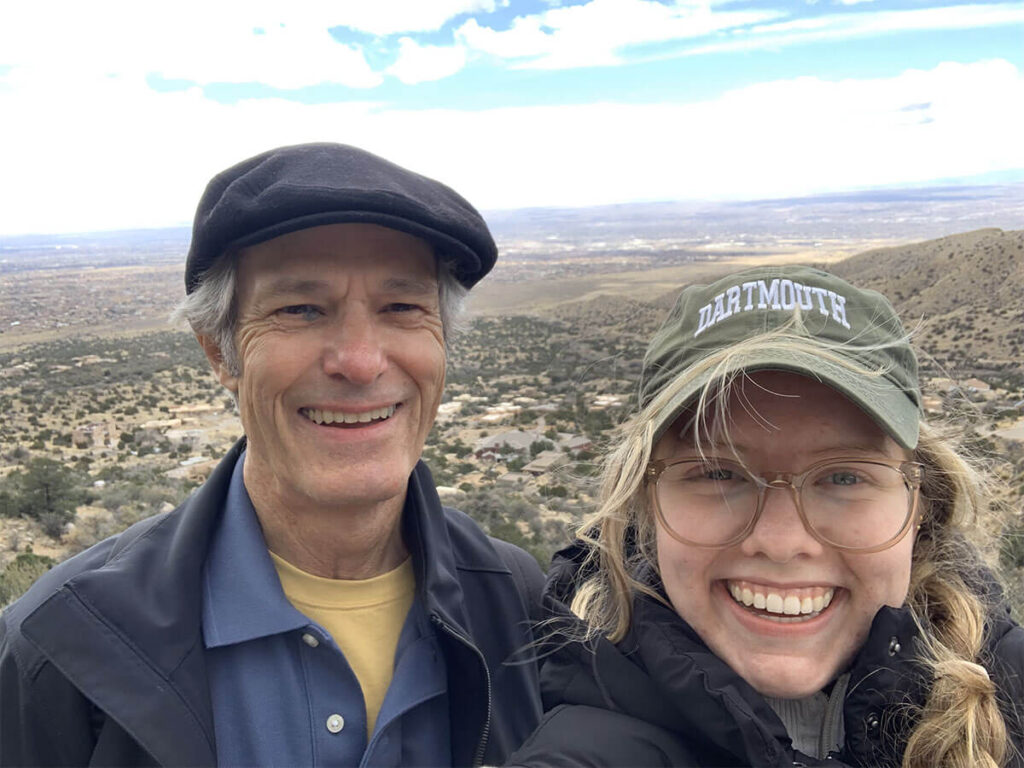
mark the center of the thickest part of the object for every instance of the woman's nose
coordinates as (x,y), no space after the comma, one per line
(779,533)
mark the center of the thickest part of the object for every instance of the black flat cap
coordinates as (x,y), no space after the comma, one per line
(308,185)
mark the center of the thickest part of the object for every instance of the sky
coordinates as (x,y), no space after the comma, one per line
(114,115)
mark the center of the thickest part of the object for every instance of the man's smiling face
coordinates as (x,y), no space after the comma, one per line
(341,357)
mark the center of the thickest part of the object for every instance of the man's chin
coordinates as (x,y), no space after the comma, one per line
(347,491)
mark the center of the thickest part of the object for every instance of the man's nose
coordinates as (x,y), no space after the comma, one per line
(779,533)
(354,348)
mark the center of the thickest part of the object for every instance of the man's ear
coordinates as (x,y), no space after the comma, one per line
(213,354)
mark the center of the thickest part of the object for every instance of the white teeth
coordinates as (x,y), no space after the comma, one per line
(800,603)
(319,416)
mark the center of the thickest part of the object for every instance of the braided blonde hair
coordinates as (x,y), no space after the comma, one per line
(960,725)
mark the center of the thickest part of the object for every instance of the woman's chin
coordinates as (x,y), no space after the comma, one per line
(788,689)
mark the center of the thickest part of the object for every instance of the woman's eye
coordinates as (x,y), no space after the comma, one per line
(717,473)
(842,478)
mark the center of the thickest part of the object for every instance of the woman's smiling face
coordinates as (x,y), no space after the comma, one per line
(783,422)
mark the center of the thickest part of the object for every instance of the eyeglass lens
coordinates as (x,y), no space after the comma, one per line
(854,504)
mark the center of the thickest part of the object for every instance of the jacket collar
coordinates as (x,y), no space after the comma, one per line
(428,540)
(115,636)
(242,594)
(703,688)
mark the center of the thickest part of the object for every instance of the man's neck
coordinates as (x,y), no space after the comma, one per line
(336,543)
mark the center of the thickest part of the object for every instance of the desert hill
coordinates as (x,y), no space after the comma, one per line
(965,290)
(619,313)
(942,275)
(962,295)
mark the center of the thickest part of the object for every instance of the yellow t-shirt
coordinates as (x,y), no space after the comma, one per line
(364,617)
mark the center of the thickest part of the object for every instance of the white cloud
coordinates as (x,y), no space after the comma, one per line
(524,38)
(601,32)
(290,47)
(388,17)
(845,26)
(123,156)
(595,34)
(422,63)
(261,41)
(215,42)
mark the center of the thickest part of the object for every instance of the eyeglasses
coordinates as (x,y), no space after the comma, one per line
(854,505)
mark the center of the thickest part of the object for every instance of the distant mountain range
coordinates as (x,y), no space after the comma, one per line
(887,213)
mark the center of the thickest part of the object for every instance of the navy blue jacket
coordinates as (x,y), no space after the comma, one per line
(102,660)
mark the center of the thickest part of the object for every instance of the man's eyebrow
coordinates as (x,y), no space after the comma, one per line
(304,286)
(409,285)
(293,285)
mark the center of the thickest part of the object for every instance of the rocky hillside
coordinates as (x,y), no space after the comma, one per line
(966,293)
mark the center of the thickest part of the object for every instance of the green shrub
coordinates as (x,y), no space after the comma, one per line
(20,573)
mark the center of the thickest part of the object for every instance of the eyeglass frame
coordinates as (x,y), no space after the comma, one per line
(913,473)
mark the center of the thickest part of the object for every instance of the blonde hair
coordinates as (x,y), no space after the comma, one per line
(960,725)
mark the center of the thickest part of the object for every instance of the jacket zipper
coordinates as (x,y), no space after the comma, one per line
(478,758)
(829,734)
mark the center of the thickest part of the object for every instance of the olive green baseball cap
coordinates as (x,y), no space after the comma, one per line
(859,326)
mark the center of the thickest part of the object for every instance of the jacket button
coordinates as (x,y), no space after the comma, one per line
(335,723)
(310,640)
(872,721)
(894,646)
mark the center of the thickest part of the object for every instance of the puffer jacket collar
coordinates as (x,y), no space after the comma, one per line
(663,673)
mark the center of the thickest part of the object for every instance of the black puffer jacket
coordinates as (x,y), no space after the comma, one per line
(662,698)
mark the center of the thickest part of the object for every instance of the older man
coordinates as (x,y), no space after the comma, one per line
(313,603)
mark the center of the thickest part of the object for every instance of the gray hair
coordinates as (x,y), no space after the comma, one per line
(211,309)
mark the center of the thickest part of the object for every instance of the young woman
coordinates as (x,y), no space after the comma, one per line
(777,573)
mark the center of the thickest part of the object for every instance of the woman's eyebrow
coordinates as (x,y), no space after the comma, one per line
(713,446)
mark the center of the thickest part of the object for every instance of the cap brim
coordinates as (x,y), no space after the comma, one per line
(885,402)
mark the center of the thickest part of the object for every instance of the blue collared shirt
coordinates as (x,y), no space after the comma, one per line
(282,691)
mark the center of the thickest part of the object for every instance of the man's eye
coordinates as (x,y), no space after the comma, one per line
(305,311)
(399,306)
